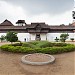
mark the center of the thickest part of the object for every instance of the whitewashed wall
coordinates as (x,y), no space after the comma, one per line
(49,36)
(43,36)
(2,34)
(22,36)
(52,36)
(32,36)
(71,35)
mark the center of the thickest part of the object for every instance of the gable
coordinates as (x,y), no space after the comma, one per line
(6,23)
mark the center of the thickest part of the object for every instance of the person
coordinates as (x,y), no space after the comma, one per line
(25,39)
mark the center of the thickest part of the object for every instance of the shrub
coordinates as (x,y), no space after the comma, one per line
(17,49)
(11,36)
(34,42)
(40,44)
(72,39)
(57,50)
(59,44)
(28,45)
(44,44)
(56,39)
(2,38)
(17,44)
(40,47)
(63,37)
(4,47)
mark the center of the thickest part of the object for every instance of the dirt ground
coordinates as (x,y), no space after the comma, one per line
(10,64)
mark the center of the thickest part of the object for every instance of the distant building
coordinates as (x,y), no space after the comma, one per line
(37,31)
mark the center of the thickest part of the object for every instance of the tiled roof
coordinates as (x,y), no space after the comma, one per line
(33,25)
(20,21)
(6,23)
(62,27)
(30,26)
(13,27)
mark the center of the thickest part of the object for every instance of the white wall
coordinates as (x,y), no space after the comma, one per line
(43,36)
(52,36)
(22,36)
(32,36)
(74,35)
(2,34)
(71,35)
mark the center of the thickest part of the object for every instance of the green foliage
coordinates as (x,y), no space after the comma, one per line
(63,37)
(56,39)
(18,49)
(2,38)
(11,36)
(28,45)
(72,39)
(38,44)
(59,44)
(40,47)
(34,42)
(44,44)
(17,44)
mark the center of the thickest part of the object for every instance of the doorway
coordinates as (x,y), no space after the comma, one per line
(38,37)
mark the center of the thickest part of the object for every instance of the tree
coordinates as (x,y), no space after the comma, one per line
(63,37)
(2,38)
(56,39)
(11,36)
(72,39)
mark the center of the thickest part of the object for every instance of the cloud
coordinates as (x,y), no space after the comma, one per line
(11,12)
(64,18)
(47,6)
(15,12)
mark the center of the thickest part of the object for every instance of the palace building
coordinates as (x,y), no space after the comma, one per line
(37,31)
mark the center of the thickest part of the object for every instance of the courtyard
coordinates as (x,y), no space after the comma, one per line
(10,64)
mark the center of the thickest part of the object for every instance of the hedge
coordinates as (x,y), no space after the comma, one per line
(48,50)
(42,44)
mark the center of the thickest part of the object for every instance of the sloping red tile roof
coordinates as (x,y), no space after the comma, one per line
(6,23)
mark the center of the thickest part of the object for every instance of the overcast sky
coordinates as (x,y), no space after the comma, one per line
(52,12)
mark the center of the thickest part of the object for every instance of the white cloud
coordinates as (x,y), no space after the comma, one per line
(13,13)
(64,18)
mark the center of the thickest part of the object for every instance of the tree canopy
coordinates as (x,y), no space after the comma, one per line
(63,37)
(11,36)
(2,38)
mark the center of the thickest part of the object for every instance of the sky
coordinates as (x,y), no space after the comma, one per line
(52,12)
